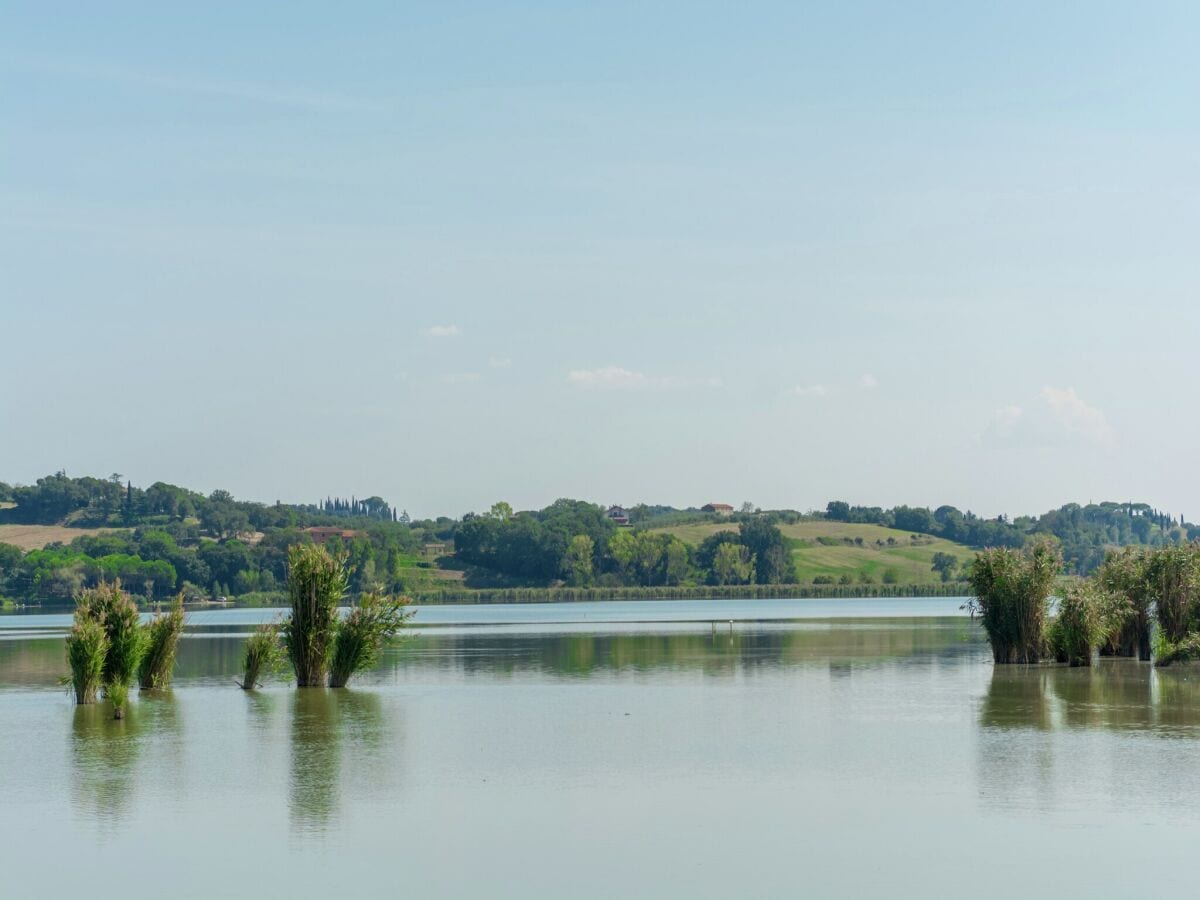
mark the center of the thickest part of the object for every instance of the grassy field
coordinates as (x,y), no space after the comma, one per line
(831,549)
(35,537)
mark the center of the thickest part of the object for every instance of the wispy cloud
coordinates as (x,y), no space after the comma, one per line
(617,378)
(233,90)
(499,362)
(808,390)
(461,378)
(441,331)
(1053,416)
(868,382)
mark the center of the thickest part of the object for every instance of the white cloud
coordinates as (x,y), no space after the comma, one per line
(461,378)
(617,378)
(1076,416)
(499,362)
(808,390)
(1053,416)
(868,382)
(440,331)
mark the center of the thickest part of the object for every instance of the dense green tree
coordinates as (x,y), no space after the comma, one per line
(772,561)
(733,563)
(944,564)
(578,563)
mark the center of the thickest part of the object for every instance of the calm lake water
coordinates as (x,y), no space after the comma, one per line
(817,748)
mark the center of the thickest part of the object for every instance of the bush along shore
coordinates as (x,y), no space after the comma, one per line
(687,592)
(1141,602)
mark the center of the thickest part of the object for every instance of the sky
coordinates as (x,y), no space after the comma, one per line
(453,253)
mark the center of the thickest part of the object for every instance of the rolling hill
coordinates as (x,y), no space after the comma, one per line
(840,549)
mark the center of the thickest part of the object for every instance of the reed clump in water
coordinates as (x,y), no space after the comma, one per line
(118,695)
(1087,615)
(317,583)
(1011,590)
(107,638)
(364,632)
(87,646)
(1123,574)
(162,641)
(263,654)
(118,614)
(1173,580)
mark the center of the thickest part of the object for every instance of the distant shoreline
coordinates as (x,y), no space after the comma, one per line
(486,596)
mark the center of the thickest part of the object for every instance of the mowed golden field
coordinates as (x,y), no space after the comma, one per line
(35,537)
(911,560)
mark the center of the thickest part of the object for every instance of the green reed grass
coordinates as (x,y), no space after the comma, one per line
(1173,580)
(374,621)
(162,641)
(1085,619)
(1123,575)
(1011,593)
(118,695)
(317,582)
(263,654)
(118,614)
(87,646)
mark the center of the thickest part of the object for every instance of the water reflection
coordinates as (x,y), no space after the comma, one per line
(1118,694)
(716,651)
(324,725)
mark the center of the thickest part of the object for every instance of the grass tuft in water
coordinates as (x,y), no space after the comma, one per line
(118,695)
(317,583)
(263,654)
(87,645)
(361,637)
(162,640)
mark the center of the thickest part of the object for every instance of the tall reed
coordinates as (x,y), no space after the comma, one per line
(1173,579)
(361,636)
(162,640)
(87,645)
(1084,620)
(317,583)
(1011,589)
(262,654)
(1123,574)
(117,613)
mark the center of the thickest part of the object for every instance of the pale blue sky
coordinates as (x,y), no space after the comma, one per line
(453,253)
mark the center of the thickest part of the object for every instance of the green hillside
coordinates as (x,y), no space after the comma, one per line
(840,550)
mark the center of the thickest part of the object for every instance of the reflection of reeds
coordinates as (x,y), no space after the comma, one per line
(1113,695)
(105,752)
(1016,698)
(163,633)
(316,755)
(322,724)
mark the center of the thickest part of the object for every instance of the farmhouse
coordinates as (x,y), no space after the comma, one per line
(721,509)
(618,515)
(321,533)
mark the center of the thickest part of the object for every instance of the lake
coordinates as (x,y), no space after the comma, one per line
(643,749)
